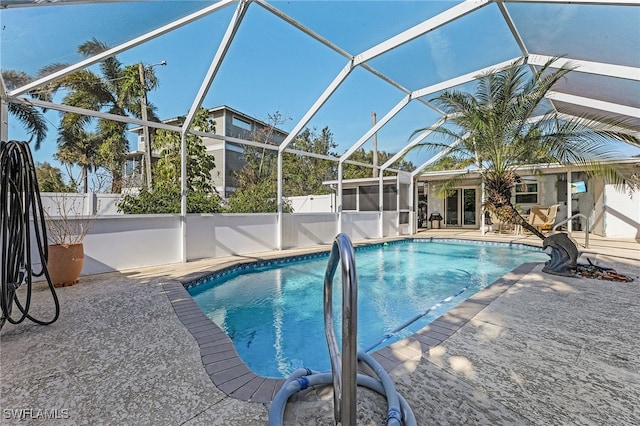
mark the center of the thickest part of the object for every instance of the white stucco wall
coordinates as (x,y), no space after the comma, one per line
(621,213)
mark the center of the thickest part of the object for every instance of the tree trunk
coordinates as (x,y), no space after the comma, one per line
(85,179)
(116,181)
(526,225)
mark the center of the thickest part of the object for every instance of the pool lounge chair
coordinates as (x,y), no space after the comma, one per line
(543,218)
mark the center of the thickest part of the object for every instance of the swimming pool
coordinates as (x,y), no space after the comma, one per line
(273,311)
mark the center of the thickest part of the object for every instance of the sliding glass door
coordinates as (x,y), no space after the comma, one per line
(460,208)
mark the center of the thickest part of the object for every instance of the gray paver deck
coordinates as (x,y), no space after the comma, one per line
(535,349)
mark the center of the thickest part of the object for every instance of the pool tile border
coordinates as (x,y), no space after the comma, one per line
(245,264)
(228,372)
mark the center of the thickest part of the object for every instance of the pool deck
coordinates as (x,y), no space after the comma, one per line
(533,348)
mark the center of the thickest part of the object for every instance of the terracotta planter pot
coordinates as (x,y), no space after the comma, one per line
(65,263)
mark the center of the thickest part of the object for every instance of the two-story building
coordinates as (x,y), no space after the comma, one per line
(230,124)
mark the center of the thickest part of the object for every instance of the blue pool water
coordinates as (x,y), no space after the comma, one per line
(274,313)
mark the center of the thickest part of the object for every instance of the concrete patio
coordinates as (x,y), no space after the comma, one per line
(531,349)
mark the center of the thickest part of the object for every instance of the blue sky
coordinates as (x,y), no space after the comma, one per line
(272,66)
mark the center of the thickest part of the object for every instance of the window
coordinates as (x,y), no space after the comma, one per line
(404,196)
(369,198)
(238,122)
(527,193)
(349,199)
(390,198)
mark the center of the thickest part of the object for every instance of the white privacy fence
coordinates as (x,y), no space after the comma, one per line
(106,204)
(75,204)
(118,242)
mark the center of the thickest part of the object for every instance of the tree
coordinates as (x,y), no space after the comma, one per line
(260,197)
(50,179)
(165,197)
(257,180)
(302,175)
(117,91)
(79,147)
(30,116)
(495,127)
(199,163)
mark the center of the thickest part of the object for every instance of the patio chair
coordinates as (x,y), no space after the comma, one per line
(543,218)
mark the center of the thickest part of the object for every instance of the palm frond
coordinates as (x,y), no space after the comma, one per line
(32,119)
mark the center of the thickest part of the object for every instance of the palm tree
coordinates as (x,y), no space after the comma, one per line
(80,149)
(507,123)
(30,116)
(117,91)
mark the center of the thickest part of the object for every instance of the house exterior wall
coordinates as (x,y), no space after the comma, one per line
(234,161)
(621,213)
(609,211)
(597,224)
(217,174)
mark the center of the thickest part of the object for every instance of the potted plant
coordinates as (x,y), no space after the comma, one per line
(67,225)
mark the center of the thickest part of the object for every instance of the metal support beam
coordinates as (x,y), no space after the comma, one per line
(280,186)
(396,109)
(600,2)
(294,23)
(91,113)
(433,159)
(422,28)
(465,78)
(413,192)
(594,103)
(380,206)
(589,67)
(422,136)
(569,205)
(4,120)
(333,86)
(223,48)
(569,117)
(4,112)
(122,47)
(339,198)
(337,81)
(512,27)
(183,196)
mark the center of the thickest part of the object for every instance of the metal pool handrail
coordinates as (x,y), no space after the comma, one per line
(586,235)
(343,367)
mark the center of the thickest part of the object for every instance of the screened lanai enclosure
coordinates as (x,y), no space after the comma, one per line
(366,70)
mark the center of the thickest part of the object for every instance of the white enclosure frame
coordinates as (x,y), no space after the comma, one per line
(359,59)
